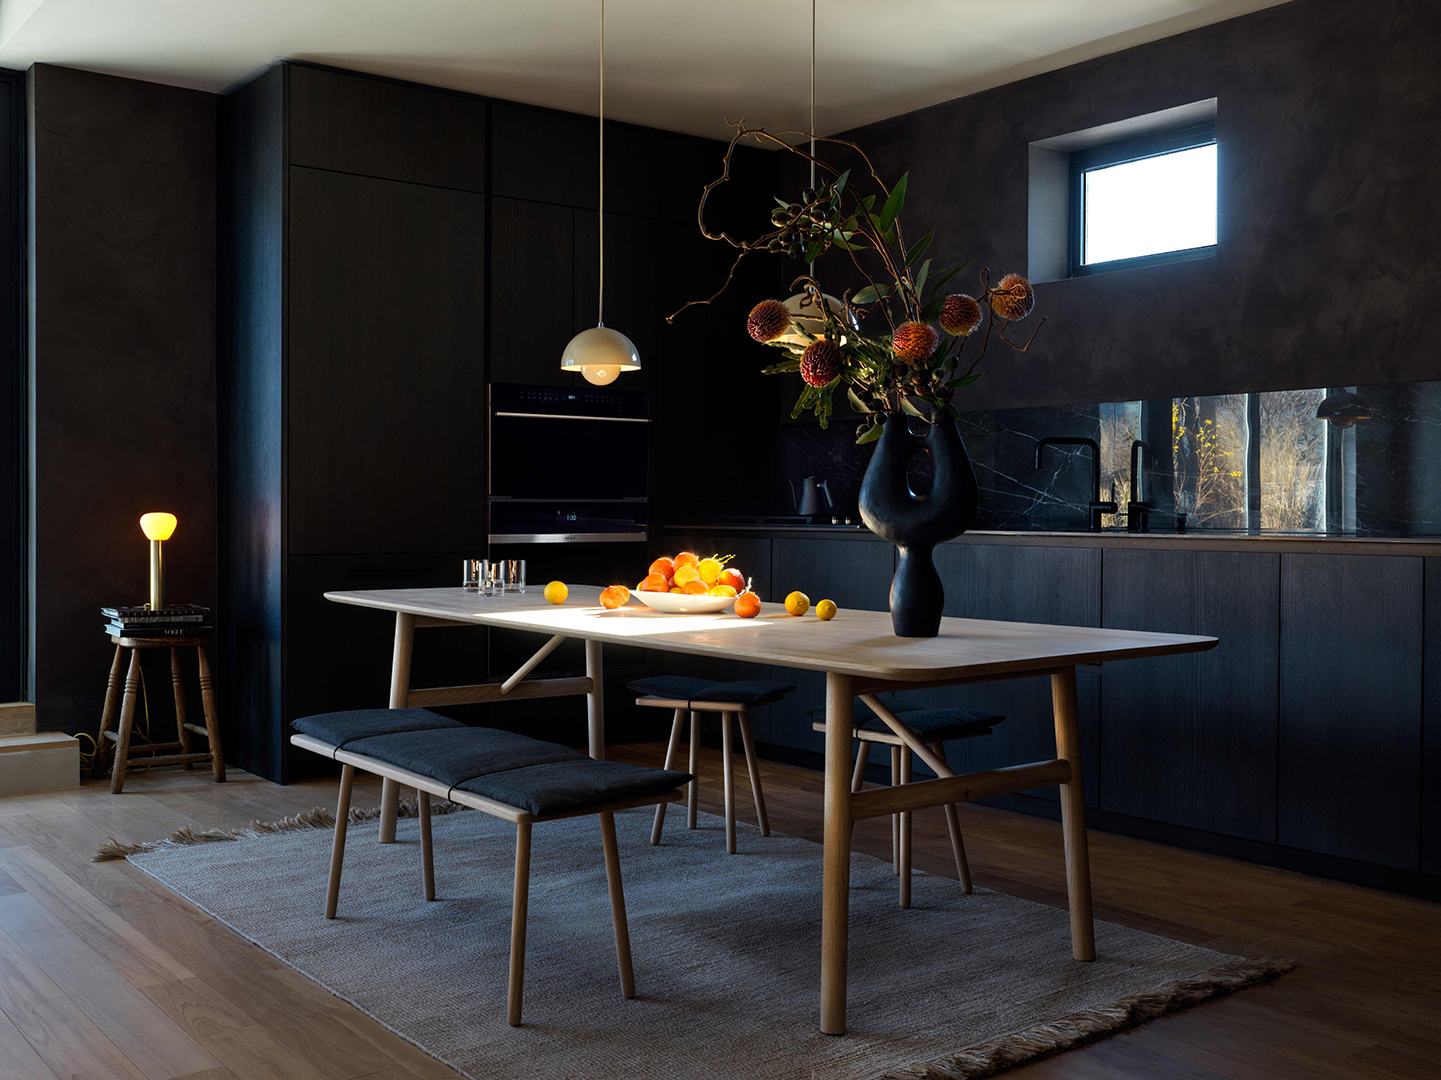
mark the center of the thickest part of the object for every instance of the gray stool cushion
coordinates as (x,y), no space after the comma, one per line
(453,755)
(340,728)
(565,786)
(753,692)
(937,725)
(675,687)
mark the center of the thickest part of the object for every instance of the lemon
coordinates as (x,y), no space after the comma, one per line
(710,570)
(798,603)
(826,610)
(556,592)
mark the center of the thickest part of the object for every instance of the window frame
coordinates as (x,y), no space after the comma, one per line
(15,640)
(1121,153)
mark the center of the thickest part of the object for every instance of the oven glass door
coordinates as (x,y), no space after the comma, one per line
(537,457)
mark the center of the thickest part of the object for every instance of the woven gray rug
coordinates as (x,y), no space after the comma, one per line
(727,954)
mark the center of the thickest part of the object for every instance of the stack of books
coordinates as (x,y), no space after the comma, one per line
(173,620)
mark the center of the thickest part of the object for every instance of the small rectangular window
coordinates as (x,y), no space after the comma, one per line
(1144,201)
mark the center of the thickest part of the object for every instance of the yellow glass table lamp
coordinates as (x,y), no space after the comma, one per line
(157,527)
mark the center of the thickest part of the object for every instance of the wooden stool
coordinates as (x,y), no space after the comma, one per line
(183,728)
(730,699)
(935,728)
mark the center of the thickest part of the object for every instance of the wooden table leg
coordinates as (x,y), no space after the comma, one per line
(836,872)
(178,685)
(107,714)
(595,700)
(212,717)
(1073,815)
(906,818)
(399,695)
(127,722)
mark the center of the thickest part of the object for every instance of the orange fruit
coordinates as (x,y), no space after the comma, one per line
(684,574)
(748,605)
(662,566)
(677,589)
(721,590)
(710,570)
(826,610)
(556,592)
(732,577)
(686,558)
(798,603)
(654,583)
(614,596)
(696,588)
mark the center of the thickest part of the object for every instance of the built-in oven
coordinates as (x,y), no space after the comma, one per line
(567,464)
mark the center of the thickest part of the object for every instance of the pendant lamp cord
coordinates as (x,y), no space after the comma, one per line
(813,92)
(600,294)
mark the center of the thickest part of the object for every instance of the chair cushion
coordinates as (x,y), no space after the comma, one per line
(754,692)
(340,728)
(561,787)
(456,754)
(937,725)
(675,687)
(897,705)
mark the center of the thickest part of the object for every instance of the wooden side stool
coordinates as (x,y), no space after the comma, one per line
(934,728)
(731,699)
(183,728)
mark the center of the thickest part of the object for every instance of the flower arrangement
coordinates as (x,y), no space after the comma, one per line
(913,365)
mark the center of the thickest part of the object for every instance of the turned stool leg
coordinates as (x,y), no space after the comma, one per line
(728,772)
(692,791)
(178,683)
(127,721)
(337,843)
(107,714)
(858,778)
(755,773)
(427,851)
(212,721)
(672,751)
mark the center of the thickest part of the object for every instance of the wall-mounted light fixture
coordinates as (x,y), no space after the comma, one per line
(1342,409)
(157,527)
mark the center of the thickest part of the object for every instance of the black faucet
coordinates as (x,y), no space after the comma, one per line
(1138,511)
(1098,506)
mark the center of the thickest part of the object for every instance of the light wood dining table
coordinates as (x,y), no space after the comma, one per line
(860,656)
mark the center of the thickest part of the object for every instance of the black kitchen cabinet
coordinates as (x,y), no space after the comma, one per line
(1350,718)
(1191,740)
(532,291)
(386,366)
(1020,584)
(629,301)
(370,126)
(1431,750)
(549,156)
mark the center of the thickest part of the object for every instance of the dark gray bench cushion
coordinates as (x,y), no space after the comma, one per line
(340,728)
(452,755)
(939,725)
(748,692)
(675,687)
(566,786)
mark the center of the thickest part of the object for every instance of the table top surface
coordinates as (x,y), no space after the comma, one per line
(858,643)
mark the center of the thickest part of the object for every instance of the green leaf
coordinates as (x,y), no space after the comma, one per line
(947,276)
(868,434)
(931,310)
(855,400)
(894,203)
(781,202)
(963,380)
(921,277)
(783,368)
(840,181)
(868,202)
(909,406)
(814,251)
(871,293)
(918,249)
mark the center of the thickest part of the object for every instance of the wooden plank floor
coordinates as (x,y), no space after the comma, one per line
(104,973)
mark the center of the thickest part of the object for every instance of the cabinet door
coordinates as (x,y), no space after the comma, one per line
(1191,740)
(1350,745)
(386,404)
(532,292)
(629,304)
(855,574)
(358,124)
(1020,584)
(549,156)
(1431,754)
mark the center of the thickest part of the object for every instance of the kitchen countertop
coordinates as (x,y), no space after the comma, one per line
(1193,540)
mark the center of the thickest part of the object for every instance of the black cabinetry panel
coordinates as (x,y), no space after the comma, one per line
(386,388)
(1431,751)
(374,127)
(532,291)
(629,304)
(1191,740)
(553,157)
(1350,733)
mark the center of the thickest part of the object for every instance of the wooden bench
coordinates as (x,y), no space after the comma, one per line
(499,773)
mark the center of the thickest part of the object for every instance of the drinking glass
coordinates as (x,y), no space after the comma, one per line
(471,574)
(490,577)
(512,575)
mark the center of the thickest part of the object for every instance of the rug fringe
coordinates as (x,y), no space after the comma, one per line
(1088,1025)
(317,817)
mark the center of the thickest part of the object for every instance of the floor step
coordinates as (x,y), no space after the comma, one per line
(41,761)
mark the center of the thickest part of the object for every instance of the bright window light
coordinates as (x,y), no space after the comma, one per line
(1151,206)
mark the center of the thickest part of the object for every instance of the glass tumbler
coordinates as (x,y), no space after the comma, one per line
(490,577)
(512,575)
(471,574)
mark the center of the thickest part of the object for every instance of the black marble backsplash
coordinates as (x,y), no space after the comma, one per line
(1257,462)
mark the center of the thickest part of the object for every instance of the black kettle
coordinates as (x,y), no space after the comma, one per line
(808,504)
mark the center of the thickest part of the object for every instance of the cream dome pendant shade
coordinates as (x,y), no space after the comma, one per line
(600,353)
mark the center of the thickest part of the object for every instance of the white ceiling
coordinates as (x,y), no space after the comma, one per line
(684,65)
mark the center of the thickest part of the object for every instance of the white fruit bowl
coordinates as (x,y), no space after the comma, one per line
(684,604)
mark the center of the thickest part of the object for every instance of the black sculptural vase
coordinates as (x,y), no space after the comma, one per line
(917,523)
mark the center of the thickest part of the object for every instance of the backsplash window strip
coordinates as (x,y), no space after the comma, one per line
(1260,462)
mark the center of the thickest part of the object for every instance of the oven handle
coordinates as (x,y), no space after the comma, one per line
(566,416)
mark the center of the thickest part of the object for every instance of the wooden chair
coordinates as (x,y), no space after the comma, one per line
(688,695)
(934,727)
(183,728)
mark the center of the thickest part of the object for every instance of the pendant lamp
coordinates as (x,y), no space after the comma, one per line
(600,353)
(805,312)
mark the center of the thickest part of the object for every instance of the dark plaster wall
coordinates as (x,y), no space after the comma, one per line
(1330,219)
(122,365)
